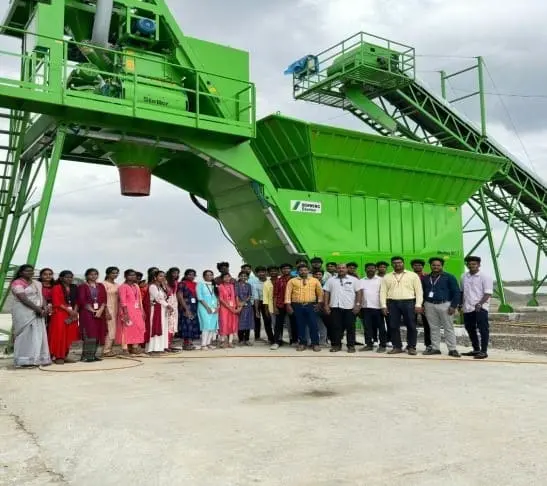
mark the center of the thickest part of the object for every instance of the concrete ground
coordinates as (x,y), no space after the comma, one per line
(257,417)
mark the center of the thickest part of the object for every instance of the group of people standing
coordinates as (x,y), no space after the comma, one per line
(144,316)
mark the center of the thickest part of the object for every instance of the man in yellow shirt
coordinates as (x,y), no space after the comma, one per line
(302,296)
(401,296)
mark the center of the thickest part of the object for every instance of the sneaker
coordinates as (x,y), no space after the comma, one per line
(274,347)
(395,351)
(429,348)
(368,347)
(335,349)
(471,353)
(351,349)
(430,351)
(381,349)
(454,354)
(411,351)
(481,355)
(316,348)
(301,347)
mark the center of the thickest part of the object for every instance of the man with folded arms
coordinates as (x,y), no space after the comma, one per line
(441,299)
(401,296)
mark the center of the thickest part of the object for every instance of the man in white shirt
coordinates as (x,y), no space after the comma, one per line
(477,288)
(331,272)
(371,312)
(342,301)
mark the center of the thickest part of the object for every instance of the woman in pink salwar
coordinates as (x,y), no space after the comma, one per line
(130,328)
(228,312)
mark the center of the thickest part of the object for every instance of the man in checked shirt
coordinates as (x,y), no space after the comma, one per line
(303,296)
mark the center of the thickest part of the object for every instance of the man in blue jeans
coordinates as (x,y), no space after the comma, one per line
(477,288)
(303,297)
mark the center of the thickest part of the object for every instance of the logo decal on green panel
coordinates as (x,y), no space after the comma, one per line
(310,207)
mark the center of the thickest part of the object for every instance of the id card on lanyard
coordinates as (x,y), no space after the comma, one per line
(432,291)
(94,291)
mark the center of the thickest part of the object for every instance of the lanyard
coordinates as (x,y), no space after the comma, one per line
(398,280)
(93,291)
(67,295)
(209,288)
(436,280)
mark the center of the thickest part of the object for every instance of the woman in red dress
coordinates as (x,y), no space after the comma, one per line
(63,324)
(93,314)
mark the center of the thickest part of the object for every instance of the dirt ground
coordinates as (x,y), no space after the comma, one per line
(258,417)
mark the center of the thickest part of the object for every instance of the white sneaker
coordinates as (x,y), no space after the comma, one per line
(275,346)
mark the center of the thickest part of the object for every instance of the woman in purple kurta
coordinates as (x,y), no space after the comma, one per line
(246,317)
(93,314)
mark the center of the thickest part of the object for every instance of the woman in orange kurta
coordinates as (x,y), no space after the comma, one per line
(63,324)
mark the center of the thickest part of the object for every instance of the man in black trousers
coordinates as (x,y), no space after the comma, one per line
(343,301)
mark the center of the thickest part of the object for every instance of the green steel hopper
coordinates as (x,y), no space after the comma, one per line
(368,197)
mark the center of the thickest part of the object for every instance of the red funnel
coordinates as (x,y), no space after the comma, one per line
(135,181)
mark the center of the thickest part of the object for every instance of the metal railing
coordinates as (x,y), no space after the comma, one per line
(400,60)
(45,71)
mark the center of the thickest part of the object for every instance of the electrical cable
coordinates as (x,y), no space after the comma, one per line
(444,56)
(512,122)
(186,356)
(204,209)
(200,206)
(506,95)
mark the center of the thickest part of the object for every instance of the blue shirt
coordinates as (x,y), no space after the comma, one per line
(252,282)
(258,289)
(442,288)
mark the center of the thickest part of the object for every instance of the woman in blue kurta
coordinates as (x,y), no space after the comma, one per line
(207,294)
(246,317)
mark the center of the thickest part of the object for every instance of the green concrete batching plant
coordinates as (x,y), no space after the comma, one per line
(118,83)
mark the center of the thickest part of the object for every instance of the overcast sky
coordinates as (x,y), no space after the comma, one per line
(90,224)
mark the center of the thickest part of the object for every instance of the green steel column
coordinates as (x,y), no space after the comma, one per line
(533,302)
(9,247)
(36,237)
(504,306)
(482,98)
(443,84)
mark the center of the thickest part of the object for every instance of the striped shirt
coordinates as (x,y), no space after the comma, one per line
(303,291)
